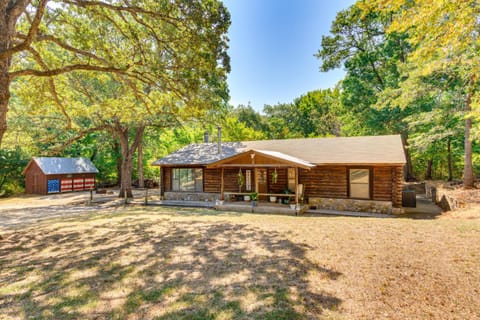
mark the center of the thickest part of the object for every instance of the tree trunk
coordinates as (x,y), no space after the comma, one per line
(10,11)
(141,183)
(4,76)
(4,95)
(118,159)
(127,157)
(468,164)
(449,160)
(408,172)
(428,172)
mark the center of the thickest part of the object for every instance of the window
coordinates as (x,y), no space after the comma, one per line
(360,183)
(248,180)
(187,179)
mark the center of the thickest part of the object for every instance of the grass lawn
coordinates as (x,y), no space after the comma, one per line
(166,263)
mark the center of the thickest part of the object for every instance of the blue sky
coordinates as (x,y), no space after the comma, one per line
(272,43)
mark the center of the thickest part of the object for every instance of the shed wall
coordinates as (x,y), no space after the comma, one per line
(36,180)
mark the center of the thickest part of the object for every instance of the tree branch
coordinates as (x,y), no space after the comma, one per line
(60,43)
(59,71)
(128,8)
(52,88)
(80,135)
(31,33)
(15,9)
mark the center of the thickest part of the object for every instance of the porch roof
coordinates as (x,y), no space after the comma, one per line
(278,158)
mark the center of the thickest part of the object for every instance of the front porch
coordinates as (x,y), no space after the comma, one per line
(261,175)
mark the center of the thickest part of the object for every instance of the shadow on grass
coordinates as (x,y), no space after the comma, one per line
(158,269)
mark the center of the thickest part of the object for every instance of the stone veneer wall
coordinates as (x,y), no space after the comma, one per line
(352,205)
(191,196)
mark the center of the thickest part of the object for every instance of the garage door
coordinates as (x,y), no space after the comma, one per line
(89,183)
(53,186)
(78,184)
(66,185)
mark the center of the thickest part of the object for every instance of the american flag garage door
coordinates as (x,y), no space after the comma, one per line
(89,183)
(66,185)
(53,186)
(78,184)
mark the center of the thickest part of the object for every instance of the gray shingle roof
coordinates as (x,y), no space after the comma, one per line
(337,150)
(53,165)
(201,153)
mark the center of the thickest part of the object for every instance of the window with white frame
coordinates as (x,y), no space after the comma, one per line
(359,183)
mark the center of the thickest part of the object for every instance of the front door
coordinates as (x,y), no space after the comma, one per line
(261,181)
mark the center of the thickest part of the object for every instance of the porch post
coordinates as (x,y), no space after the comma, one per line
(296,185)
(221,188)
(160,182)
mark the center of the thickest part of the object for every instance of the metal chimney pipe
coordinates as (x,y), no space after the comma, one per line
(205,137)
(219,140)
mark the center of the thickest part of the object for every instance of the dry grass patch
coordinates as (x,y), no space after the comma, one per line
(160,263)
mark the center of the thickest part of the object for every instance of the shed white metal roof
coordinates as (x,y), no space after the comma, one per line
(386,149)
(54,165)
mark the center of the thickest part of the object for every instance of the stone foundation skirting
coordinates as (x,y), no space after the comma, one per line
(352,205)
(191,196)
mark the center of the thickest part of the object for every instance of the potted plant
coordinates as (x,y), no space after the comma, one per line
(286,200)
(274,176)
(254,198)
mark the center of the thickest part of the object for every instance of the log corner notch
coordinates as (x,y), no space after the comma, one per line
(397,186)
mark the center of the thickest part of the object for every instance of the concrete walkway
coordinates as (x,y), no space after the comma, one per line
(425,209)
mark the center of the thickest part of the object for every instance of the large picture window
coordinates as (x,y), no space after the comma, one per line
(360,183)
(187,179)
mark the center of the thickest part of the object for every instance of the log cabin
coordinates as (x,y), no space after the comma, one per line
(338,173)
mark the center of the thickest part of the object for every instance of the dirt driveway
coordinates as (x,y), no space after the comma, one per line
(28,209)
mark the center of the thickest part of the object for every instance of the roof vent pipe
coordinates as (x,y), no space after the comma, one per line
(205,137)
(219,140)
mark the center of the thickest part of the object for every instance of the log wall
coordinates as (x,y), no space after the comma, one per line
(319,182)
(325,181)
(382,183)
(167,179)
(282,180)
(212,179)
(396,185)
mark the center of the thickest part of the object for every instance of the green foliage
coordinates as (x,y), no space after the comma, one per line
(12,163)
(314,114)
